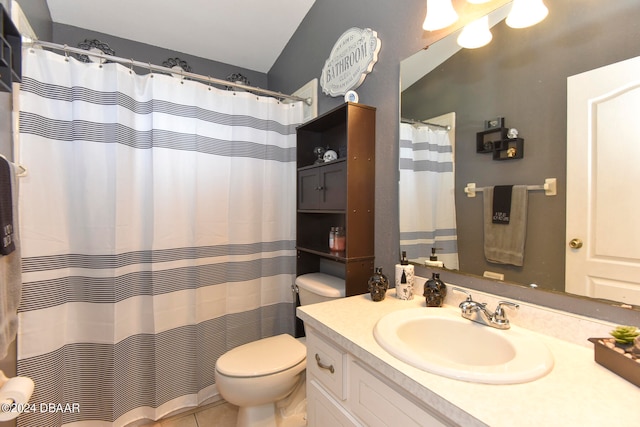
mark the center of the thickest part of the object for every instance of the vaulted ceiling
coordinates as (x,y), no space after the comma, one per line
(246,33)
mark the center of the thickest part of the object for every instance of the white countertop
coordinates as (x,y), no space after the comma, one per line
(577,392)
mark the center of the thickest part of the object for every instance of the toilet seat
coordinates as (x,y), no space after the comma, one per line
(263,357)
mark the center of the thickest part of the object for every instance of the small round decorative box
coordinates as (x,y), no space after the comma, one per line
(351,96)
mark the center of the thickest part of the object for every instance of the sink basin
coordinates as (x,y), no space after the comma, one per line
(440,341)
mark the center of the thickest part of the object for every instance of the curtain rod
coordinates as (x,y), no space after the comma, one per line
(422,122)
(153,67)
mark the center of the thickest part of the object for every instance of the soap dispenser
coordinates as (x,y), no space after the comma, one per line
(435,291)
(433,260)
(404,278)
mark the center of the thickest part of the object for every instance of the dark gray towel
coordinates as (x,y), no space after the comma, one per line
(10,275)
(7,244)
(504,243)
(501,204)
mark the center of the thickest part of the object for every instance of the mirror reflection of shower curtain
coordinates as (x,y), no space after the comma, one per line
(427,196)
(158,232)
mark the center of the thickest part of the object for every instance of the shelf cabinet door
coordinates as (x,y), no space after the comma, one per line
(322,188)
(308,184)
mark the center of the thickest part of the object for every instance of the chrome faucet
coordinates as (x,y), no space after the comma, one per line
(477,312)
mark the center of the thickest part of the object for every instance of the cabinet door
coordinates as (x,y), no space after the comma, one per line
(379,405)
(323,410)
(323,187)
(333,183)
(308,189)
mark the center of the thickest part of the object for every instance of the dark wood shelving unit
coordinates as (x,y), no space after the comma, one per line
(10,52)
(337,193)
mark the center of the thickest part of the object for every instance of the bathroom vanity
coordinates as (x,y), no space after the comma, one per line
(353,381)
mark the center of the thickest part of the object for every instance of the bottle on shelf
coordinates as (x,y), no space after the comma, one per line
(332,239)
(340,239)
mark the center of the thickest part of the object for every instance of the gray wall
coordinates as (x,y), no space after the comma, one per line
(400,29)
(72,36)
(37,13)
(521,75)
(39,17)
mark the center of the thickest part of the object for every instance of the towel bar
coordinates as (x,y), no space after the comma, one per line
(549,187)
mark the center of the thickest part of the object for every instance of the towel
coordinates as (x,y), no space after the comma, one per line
(6,209)
(501,204)
(10,277)
(504,243)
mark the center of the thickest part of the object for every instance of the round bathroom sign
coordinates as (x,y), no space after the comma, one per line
(351,59)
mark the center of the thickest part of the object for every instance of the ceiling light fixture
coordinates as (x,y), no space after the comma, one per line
(475,34)
(525,13)
(440,14)
(478,1)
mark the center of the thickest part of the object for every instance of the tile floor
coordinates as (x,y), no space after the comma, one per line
(221,414)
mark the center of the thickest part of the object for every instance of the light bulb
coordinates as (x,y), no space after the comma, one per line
(475,34)
(440,14)
(478,1)
(525,13)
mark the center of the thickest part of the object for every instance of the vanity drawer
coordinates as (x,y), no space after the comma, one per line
(323,410)
(379,405)
(327,363)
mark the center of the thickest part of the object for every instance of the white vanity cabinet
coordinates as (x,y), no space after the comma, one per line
(344,391)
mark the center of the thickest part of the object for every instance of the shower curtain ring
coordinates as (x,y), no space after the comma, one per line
(131,67)
(150,70)
(66,53)
(181,76)
(209,77)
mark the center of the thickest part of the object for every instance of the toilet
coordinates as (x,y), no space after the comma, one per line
(264,378)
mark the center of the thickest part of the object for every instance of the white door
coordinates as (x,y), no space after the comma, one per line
(603,183)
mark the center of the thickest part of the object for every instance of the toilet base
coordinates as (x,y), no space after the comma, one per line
(257,416)
(288,412)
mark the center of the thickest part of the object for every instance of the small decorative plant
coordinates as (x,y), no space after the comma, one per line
(625,334)
(623,343)
(626,341)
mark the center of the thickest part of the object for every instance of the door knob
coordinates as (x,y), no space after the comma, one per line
(575,244)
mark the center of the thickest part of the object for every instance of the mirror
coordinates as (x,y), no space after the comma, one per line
(521,75)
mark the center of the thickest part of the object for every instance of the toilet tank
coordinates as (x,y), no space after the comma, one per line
(319,287)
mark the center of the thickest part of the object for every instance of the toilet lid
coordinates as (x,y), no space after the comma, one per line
(262,357)
(322,284)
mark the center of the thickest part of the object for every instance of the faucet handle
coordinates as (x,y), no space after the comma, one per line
(464,292)
(499,316)
(468,305)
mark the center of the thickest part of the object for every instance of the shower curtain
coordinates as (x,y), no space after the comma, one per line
(427,195)
(158,232)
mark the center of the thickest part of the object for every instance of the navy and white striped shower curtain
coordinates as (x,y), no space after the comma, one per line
(158,232)
(427,195)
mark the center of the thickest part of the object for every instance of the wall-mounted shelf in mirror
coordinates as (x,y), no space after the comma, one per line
(508,149)
(487,139)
